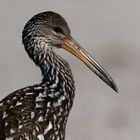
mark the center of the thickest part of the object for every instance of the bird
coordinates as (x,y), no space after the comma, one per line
(40,111)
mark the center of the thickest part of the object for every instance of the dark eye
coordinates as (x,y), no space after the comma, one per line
(58,30)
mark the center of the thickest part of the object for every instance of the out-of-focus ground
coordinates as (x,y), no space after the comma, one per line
(110,31)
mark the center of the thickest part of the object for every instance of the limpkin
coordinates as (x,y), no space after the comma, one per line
(40,112)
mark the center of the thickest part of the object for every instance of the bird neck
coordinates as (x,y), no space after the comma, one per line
(50,63)
(52,66)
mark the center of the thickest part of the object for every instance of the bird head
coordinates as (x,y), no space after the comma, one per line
(48,30)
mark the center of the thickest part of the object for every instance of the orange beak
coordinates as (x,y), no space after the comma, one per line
(73,47)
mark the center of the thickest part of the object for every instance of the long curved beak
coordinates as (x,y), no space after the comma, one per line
(73,47)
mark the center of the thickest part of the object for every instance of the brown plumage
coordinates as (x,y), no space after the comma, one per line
(40,112)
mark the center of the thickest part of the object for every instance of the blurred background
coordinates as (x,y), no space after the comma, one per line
(110,31)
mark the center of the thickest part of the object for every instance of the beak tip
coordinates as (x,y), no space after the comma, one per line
(114,86)
(116,89)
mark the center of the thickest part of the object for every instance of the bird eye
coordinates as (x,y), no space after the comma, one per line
(58,30)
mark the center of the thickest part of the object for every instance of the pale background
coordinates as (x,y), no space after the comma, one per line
(110,31)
